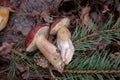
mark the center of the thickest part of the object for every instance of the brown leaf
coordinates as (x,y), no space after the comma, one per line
(86,19)
(46,16)
(5,49)
(85,15)
(7,3)
(85,11)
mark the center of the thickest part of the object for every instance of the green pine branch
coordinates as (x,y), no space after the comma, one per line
(98,64)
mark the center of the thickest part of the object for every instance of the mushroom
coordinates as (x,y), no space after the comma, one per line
(4,15)
(64,42)
(58,24)
(33,35)
(50,51)
(37,39)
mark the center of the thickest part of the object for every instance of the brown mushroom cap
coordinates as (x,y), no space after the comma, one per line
(58,24)
(33,34)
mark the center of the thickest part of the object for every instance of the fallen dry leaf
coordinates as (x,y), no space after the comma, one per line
(84,16)
(45,15)
(7,3)
(86,19)
(5,49)
(84,11)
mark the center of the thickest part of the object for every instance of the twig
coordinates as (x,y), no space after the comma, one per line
(19,54)
(51,73)
(91,35)
(4,70)
(91,71)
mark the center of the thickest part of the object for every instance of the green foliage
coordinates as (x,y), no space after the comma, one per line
(99,60)
(85,45)
(12,68)
(84,38)
(87,36)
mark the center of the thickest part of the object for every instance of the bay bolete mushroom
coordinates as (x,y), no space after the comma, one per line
(37,39)
(58,24)
(4,15)
(30,42)
(64,42)
(50,52)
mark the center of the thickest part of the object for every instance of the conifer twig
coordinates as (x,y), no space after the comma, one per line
(52,75)
(91,35)
(91,71)
(19,54)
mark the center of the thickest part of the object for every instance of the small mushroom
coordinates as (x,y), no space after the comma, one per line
(64,42)
(4,15)
(58,24)
(37,39)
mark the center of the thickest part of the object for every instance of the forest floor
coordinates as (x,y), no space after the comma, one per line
(17,64)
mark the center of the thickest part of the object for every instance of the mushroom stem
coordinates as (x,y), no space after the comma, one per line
(65,44)
(50,52)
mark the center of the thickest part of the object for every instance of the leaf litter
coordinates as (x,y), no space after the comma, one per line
(29,13)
